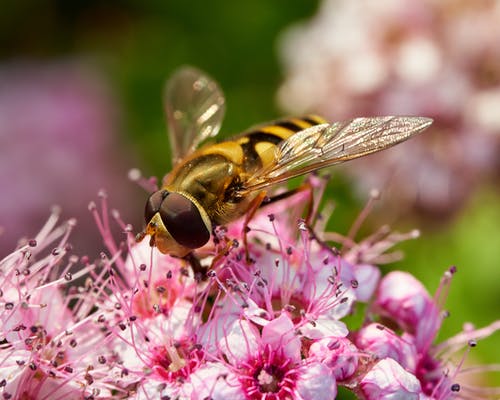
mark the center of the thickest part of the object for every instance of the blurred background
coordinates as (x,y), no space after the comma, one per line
(80,104)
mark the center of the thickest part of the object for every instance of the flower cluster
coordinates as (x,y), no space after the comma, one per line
(438,59)
(266,311)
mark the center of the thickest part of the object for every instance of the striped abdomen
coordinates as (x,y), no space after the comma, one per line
(255,143)
(211,174)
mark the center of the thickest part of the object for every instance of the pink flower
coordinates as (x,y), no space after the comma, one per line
(270,364)
(434,58)
(402,298)
(389,380)
(145,325)
(339,354)
(384,343)
(404,301)
(291,270)
(153,311)
(215,381)
(52,345)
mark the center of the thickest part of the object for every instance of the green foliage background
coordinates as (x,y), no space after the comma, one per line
(139,43)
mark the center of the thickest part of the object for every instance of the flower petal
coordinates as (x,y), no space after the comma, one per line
(280,334)
(388,380)
(316,383)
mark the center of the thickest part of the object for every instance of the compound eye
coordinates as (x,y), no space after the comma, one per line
(153,204)
(183,221)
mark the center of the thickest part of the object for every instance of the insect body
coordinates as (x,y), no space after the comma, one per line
(218,183)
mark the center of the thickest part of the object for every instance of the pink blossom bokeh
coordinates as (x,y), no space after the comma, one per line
(59,141)
(439,59)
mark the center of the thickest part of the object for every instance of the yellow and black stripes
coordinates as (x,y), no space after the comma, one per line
(234,160)
(256,143)
(250,150)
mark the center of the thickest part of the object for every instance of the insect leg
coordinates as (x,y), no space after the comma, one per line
(199,271)
(254,206)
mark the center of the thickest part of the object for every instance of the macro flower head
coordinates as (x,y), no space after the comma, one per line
(52,343)
(262,313)
(403,302)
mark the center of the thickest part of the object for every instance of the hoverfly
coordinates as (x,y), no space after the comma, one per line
(217,183)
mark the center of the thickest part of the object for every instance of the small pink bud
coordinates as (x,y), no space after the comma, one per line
(339,354)
(384,343)
(389,380)
(405,300)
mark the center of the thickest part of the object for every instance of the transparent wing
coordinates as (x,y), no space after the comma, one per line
(194,107)
(327,144)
